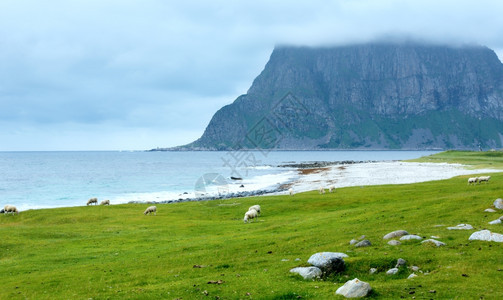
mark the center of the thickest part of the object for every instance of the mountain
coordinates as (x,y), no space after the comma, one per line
(367,96)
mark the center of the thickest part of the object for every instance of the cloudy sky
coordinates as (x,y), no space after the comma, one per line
(133,75)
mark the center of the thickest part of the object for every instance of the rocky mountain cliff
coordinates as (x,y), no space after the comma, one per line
(369,96)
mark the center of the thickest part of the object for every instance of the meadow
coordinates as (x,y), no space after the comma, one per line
(203,250)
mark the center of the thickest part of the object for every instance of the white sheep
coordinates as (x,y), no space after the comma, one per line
(321,190)
(150,210)
(251,214)
(331,189)
(105,202)
(10,209)
(256,208)
(473,180)
(92,200)
(290,191)
(484,179)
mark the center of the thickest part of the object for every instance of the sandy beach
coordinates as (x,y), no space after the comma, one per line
(378,173)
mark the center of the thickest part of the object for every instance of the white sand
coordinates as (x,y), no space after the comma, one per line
(382,173)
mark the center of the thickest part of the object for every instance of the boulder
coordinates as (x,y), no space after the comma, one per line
(486,235)
(392,271)
(394,243)
(489,210)
(497,221)
(364,243)
(412,276)
(353,241)
(461,227)
(434,242)
(354,289)
(498,203)
(394,234)
(307,272)
(410,237)
(322,260)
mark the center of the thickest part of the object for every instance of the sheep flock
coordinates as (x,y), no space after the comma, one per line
(480,179)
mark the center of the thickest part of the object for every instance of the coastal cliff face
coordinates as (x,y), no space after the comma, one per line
(370,96)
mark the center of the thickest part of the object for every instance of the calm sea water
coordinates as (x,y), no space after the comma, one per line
(33,180)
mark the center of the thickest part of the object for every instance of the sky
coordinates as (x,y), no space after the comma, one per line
(136,75)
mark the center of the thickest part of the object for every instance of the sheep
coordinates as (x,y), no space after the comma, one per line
(10,209)
(92,200)
(150,210)
(484,179)
(255,207)
(321,190)
(251,214)
(472,180)
(105,202)
(290,191)
(331,189)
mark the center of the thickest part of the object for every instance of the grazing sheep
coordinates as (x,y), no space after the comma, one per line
(92,200)
(290,191)
(331,189)
(321,190)
(251,214)
(256,208)
(150,210)
(105,202)
(484,179)
(473,180)
(10,209)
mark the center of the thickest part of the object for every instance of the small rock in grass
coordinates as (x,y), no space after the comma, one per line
(394,243)
(497,221)
(373,270)
(364,243)
(392,271)
(353,241)
(490,210)
(354,289)
(434,242)
(461,227)
(412,276)
(414,268)
(394,234)
(400,262)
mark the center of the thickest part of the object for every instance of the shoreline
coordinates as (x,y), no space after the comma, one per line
(312,176)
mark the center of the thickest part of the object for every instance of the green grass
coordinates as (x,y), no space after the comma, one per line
(476,160)
(116,252)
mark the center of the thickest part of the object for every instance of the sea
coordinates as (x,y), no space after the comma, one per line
(35,180)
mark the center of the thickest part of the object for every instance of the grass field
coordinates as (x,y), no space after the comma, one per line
(203,250)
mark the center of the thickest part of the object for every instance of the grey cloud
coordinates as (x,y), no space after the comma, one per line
(166,66)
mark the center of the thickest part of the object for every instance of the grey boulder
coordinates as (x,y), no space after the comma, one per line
(498,203)
(354,289)
(322,259)
(394,234)
(410,237)
(486,235)
(307,272)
